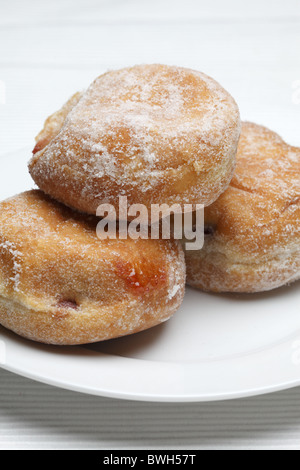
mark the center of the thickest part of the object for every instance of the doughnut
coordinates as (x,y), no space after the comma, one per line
(60,284)
(252,232)
(153,133)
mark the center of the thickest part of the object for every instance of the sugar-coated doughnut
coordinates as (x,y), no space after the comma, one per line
(60,284)
(252,241)
(154,133)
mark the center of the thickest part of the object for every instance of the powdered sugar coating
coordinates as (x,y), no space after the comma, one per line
(10,249)
(60,284)
(156,134)
(255,245)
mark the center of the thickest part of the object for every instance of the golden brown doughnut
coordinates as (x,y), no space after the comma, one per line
(154,133)
(252,241)
(60,284)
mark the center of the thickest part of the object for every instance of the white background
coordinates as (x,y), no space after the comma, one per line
(49,50)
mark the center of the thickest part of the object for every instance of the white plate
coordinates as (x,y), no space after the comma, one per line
(215,347)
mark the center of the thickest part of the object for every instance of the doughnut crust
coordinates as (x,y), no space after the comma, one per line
(60,284)
(252,241)
(156,134)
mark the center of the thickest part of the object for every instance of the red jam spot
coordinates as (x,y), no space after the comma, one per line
(209,230)
(142,279)
(67,304)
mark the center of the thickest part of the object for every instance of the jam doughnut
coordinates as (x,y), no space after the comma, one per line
(252,232)
(153,133)
(60,284)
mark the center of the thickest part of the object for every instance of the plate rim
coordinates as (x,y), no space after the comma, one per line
(157,399)
(69,356)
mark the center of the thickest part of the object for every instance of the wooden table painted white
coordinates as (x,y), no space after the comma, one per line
(48,50)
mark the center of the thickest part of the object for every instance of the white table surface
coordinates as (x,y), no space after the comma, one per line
(48,50)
